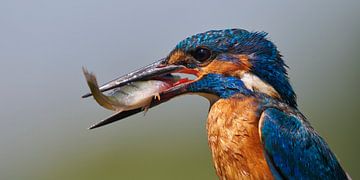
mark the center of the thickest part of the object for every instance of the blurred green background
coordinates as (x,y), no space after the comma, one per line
(44,44)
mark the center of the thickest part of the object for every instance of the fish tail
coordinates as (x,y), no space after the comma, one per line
(100,98)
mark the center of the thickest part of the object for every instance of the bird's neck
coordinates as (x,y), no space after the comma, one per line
(234,139)
(219,85)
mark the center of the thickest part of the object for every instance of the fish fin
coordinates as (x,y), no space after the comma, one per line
(145,109)
(157,96)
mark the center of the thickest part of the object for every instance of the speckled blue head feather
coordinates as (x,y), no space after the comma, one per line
(266,60)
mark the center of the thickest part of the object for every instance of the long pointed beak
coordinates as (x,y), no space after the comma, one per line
(156,70)
(165,96)
(150,71)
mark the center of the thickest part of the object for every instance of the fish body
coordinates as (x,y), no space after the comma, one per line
(138,94)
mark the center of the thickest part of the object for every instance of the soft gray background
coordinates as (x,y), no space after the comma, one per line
(44,44)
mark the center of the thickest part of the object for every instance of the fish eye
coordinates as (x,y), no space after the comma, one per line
(201,54)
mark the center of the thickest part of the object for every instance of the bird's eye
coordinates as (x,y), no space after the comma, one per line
(201,54)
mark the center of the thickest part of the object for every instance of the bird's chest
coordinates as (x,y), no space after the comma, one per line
(234,139)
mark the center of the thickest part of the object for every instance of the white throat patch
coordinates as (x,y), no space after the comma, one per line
(254,83)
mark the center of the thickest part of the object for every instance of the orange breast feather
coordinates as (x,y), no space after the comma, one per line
(234,140)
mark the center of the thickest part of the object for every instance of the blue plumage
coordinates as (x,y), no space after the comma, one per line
(255,130)
(220,85)
(295,150)
(265,58)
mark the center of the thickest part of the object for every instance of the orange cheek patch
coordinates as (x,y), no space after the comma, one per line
(226,67)
(220,67)
(244,60)
(176,57)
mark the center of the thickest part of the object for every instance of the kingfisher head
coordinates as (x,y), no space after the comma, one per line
(224,63)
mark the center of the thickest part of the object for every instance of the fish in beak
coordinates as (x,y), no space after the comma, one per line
(139,90)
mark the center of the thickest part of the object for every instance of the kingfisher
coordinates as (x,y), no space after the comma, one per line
(254,127)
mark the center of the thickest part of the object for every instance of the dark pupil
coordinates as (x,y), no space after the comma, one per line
(202,54)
